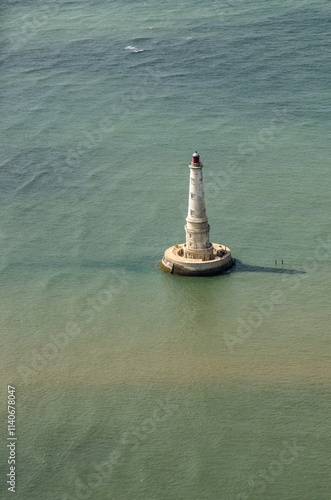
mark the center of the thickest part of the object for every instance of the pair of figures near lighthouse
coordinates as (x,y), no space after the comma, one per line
(197,257)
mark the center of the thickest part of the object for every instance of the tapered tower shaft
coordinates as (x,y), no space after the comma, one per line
(197,244)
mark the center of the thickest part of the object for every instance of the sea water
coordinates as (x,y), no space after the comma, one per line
(132,384)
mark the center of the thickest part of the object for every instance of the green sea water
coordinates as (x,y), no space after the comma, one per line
(132,384)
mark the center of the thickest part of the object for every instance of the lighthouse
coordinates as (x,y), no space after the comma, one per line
(197,256)
(197,228)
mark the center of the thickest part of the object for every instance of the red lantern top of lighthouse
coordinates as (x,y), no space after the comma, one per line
(196,157)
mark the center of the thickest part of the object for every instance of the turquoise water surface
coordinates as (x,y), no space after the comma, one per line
(132,384)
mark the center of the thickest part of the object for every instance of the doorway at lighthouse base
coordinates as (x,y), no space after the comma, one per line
(175,262)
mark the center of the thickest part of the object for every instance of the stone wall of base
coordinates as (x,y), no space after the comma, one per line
(166,266)
(186,270)
(176,265)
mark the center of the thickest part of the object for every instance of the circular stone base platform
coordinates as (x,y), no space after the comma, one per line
(173,262)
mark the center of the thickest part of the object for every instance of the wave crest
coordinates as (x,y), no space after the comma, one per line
(133,49)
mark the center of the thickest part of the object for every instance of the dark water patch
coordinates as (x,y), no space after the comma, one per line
(142,265)
(37,170)
(22,168)
(247,268)
(145,264)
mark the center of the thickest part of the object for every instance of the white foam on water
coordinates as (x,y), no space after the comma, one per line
(133,49)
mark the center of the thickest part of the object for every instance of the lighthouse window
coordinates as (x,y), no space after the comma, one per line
(193,180)
(192,195)
(192,212)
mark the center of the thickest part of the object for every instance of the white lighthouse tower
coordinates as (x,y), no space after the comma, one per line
(197,228)
(197,257)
